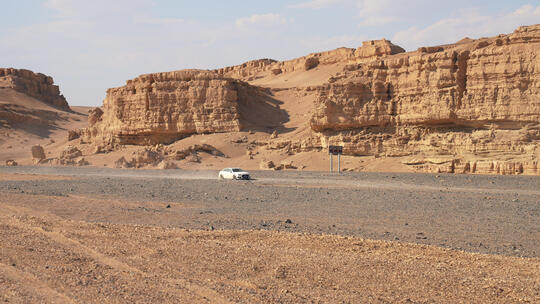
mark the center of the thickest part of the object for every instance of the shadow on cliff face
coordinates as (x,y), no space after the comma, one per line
(259,111)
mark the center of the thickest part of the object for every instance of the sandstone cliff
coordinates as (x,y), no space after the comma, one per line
(164,107)
(255,69)
(490,81)
(463,100)
(469,107)
(35,85)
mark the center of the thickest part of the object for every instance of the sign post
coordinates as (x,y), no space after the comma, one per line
(335,150)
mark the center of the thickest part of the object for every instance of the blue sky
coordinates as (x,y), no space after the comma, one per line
(89,46)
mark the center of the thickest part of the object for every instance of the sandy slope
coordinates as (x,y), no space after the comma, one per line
(32,122)
(298,79)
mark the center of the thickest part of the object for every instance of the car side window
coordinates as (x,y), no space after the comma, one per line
(228,170)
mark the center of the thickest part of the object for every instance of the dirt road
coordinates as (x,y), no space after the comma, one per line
(485,214)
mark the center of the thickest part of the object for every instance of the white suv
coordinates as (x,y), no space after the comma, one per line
(233,173)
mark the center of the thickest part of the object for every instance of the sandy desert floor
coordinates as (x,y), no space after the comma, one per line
(72,235)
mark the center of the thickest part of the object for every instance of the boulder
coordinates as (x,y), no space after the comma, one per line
(147,157)
(73,134)
(38,153)
(122,163)
(165,165)
(82,162)
(310,63)
(266,165)
(194,158)
(94,116)
(277,71)
(71,152)
(11,163)
(194,149)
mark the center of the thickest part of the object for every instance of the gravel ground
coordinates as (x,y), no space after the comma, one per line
(486,214)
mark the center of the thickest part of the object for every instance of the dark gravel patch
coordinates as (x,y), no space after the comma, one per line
(486,214)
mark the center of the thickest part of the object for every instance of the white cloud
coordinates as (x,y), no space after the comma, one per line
(159,21)
(264,19)
(470,23)
(370,7)
(377,20)
(316,4)
(372,12)
(379,12)
(71,9)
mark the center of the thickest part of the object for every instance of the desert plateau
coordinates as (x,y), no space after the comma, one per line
(436,198)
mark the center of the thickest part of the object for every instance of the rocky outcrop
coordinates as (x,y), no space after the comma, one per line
(377,48)
(164,107)
(192,151)
(466,85)
(71,156)
(311,63)
(248,69)
(71,152)
(146,157)
(469,107)
(36,85)
(369,50)
(465,100)
(94,116)
(163,157)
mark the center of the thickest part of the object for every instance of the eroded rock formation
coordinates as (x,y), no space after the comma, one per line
(473,84)
(164,107)
(457,101)
(469,107)
(369,50)
(36,85)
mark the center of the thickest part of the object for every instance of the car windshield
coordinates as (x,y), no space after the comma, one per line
(236,170)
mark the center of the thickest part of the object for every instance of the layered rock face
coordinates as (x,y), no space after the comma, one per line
(36,85)
(457,101)
(164,107)
(469,107)
(369,50)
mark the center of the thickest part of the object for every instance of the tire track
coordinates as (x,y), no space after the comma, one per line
(77,247)
(38,286)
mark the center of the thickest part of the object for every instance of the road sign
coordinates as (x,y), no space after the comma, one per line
(335,150)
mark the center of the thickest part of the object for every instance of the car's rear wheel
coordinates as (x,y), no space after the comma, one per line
(220,176)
